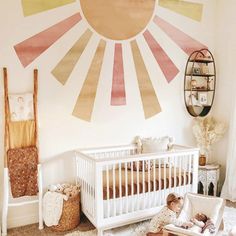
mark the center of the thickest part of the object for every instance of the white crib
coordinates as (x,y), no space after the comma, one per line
(115,193)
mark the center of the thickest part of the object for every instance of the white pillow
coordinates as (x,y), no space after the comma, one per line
(150,145)
(21,106)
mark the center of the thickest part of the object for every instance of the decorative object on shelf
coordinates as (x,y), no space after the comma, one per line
(207,131)
(202,97)
(199,83)
(193,84)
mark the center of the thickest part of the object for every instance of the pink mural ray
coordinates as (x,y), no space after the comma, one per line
(184,41)
(118,96)
(166,64)
(31,48)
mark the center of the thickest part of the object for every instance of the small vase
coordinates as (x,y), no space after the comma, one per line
(202,160)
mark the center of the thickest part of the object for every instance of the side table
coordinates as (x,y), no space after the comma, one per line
(208,178)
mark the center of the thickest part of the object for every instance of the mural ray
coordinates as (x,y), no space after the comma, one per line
(85,102)
(189,9)
(118,96)
(150,102)
(166,64)
(184,41)
(28,50)
(64,68)
(31,7)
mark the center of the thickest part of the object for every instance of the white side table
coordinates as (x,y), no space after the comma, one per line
(209,175)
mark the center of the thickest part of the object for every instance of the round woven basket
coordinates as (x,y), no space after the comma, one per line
(70,217)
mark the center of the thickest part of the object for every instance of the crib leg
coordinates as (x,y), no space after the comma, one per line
(100,232)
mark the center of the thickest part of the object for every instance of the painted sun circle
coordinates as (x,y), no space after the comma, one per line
(119,19)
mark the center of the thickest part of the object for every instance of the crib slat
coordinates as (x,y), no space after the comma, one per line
(120,189)
(159,181)
(149,184)
(144,187)
(180,171)
(170,174)
(126,187)
(184,167)
(175,177)
(114,189)
(164,179)
(154,181)
(137,171)
(108,191)
(189,171)
(132,186)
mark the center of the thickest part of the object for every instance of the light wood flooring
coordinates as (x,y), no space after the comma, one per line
(85,225)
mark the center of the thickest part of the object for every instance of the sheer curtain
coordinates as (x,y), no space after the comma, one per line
(229,187)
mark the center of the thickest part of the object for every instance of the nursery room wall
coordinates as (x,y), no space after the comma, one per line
(63,124)
(225,92)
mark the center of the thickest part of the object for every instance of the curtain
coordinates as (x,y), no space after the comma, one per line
(229,187)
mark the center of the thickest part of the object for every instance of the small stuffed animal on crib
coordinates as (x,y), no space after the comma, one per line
(202,221)
(167,215)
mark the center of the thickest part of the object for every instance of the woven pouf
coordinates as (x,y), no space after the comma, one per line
(70,217)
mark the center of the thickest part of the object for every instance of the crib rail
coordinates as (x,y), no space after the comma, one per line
(120,184)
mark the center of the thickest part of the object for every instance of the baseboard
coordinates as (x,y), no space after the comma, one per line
(22,220)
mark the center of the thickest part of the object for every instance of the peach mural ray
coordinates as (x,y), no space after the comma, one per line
(184,41)
(31,7)
(28,50)
(191,10)
(150,102)
(166,64)
(64,68)
(85,102)
(118,96)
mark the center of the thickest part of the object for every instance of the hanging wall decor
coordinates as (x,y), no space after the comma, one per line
(124,25)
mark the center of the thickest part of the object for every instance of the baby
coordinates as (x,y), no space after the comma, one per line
(168,215)
(202,221)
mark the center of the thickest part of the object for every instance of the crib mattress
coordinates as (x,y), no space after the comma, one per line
(167,180)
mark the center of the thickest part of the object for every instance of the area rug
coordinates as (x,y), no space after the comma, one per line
(140,229)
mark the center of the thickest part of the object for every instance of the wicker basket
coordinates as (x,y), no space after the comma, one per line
(70,217)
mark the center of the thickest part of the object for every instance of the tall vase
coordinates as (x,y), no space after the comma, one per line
(209,156)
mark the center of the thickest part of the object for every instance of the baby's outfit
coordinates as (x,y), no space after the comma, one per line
(164,217)
(210,226)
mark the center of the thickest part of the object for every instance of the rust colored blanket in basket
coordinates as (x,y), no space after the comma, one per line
(166,180)
(22,166)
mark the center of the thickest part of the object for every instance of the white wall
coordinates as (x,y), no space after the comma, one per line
(226,85)
(59,131)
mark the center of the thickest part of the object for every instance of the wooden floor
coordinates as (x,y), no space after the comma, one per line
(85,225)
(32,230)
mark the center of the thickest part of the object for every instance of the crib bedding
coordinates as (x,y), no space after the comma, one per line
(182,178)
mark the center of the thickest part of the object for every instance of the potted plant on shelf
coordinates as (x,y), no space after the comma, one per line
(207,131)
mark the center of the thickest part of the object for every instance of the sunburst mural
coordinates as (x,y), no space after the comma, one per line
(119,21)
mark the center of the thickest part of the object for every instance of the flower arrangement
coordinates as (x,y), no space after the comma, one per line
(207,131)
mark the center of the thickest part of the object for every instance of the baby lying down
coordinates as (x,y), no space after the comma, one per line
(202,223)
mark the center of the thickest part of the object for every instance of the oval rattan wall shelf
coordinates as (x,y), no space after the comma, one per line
(200,82)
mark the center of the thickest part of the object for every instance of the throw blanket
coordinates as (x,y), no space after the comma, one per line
(52,207)
(22,166)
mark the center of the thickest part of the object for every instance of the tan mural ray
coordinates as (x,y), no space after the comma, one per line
(150,102)
(31,7)
(120,19)
(189,9)
(64,68)
(85,102)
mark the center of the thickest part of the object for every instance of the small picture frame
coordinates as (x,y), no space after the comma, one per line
(196,70)
(202,98)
